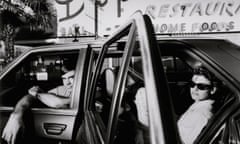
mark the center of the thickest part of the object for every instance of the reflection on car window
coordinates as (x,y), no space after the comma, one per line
(174,64)
(104,89)
(39,69)
(132,125)
(178,74)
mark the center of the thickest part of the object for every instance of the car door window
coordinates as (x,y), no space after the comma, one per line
(133,118)
(179,74)
(37,69)
(103,91)
(113,115)
(132,122)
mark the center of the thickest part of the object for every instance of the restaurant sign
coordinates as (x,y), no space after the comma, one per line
(195,16)
(77,17)
(188,16)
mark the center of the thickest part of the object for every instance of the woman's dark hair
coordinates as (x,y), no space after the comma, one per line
(205,72)
(220,93)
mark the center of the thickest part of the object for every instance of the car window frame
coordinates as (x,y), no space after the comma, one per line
(79,67)
(97,72)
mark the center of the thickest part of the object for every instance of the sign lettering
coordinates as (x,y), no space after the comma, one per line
(172,16)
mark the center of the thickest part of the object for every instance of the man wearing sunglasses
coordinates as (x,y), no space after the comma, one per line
(202,87)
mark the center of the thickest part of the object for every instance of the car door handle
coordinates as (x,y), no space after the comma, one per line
(54,128)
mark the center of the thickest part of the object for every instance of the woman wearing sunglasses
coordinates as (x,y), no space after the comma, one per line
(202,87)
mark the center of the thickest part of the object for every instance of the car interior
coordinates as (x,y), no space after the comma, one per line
(179,72)
(104,95)
(41,69)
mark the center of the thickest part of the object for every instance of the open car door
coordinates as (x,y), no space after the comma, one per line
(128,98)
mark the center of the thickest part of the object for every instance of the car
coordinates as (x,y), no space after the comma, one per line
(42,66)
(161,67)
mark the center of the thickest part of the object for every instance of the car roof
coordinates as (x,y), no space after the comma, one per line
(222,52)
(64,46)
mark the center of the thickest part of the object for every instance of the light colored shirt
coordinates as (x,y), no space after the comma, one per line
(194,120)
(141,104)
(61,91)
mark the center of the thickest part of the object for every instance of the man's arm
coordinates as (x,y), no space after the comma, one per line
(23,104)
(15,121)
(53,100)
(50,99)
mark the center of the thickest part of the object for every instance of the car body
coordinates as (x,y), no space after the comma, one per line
(162,68)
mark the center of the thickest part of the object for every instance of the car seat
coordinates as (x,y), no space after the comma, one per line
(141,104)
(103,100)
(110,79)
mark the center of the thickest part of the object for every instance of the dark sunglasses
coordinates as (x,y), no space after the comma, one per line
(200,86)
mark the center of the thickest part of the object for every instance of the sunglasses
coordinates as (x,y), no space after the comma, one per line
(200,86)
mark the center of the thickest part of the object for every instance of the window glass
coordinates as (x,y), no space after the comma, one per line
(176,69)
(133,115)
(39,69)
(128,121)
(105,86)
(179,74)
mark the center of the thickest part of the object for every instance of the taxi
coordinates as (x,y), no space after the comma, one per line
(132,88)
(138,92)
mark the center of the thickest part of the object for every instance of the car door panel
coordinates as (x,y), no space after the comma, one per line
(54,126)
